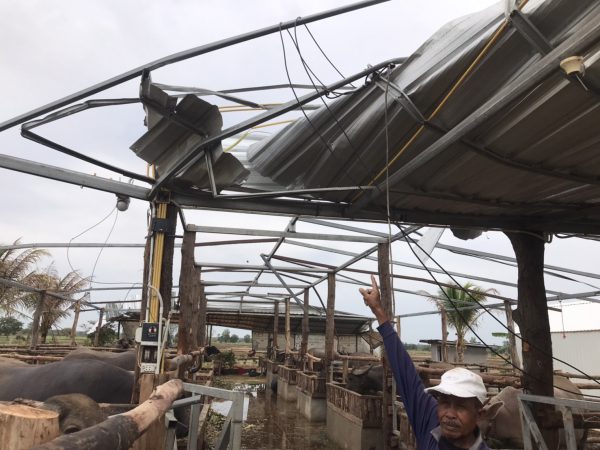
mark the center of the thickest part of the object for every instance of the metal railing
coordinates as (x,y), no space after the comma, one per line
(531,430)
(231,434)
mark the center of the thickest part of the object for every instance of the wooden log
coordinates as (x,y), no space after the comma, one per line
(166,268)
(288,330)
(275,328)
(383,266)
(305,324)
(187,340)
(532,318)
(23,426)
(201,311)
(119,432)
(329,325)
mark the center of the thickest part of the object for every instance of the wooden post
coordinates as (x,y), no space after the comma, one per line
(329,326)
(305,324)
(444,316)
(187,340)
(201,310)
(77,308)
(23,426)
(532,318)
(35,324)
(166,268)
(288,335)
(514,356)
(385,285)
(275,329)
(98,328)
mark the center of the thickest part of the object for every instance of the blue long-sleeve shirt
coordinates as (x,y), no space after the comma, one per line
(421,407)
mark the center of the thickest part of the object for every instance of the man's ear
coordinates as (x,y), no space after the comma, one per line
(489,412)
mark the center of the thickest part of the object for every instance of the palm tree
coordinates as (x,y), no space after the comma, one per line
(16,266)
(450,299)
(54,308)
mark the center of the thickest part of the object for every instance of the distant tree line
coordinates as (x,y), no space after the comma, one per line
(226,336)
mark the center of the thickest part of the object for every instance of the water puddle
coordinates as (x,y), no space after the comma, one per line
(271,422)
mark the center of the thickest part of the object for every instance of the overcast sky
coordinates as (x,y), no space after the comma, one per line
(52,49)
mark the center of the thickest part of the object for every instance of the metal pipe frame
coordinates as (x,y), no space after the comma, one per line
(180,56)
(196,153)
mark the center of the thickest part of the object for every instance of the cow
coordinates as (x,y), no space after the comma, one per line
(125,360)
(103,383)
(366,380)
(75,411)
(500,418)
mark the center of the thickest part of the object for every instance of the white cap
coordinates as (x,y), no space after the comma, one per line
(461,383)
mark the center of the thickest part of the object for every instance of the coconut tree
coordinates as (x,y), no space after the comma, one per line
(457,302)
(54,308)
(19,266)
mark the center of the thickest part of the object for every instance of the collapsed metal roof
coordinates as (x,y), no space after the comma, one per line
(481,127)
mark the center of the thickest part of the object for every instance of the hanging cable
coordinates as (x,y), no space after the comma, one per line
(85,231)
(452,302)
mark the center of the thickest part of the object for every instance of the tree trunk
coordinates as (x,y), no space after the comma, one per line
(35,324)
(532,318)
(23,426)
(75,320)
(119,432)
(385,284)
(99,328)
(444,316)
(460,349)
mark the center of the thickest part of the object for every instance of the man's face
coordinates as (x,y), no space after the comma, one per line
(458,418)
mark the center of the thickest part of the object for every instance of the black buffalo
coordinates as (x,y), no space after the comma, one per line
(103,383)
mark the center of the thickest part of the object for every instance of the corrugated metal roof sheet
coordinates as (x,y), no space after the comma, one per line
(530,164)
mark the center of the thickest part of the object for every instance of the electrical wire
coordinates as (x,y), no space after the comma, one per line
(409,239)
(323,53)
(308,71)
(312,125)
(85,231)
(102,248)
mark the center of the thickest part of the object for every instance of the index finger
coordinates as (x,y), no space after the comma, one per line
(374,282)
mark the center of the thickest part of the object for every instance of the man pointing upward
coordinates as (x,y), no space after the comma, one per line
(442,417)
